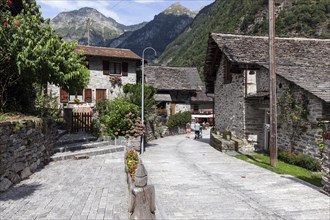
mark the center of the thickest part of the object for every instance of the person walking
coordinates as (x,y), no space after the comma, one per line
(188,130)
(197,127)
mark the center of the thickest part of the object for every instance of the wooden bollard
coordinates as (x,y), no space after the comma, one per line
(142,202)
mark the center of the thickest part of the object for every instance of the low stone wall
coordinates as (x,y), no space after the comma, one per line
(223,145)
(25,146)
(326,167)
(131,142)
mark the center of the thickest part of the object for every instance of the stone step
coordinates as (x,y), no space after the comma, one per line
(86,153)
(67,140)
(79,146)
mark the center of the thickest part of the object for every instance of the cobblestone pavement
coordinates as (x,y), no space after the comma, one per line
(93,188)
(195,181)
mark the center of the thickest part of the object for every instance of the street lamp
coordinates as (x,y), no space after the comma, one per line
(142,96)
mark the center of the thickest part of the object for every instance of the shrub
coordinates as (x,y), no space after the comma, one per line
(114,116)
(300,160)
(179,119)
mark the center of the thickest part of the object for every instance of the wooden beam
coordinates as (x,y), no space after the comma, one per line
(272,87)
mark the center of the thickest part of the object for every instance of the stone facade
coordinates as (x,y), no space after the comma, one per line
(245,115)
(25,146)
(229,103)
(181,107)
(326,167)
(306,143)
(100,81)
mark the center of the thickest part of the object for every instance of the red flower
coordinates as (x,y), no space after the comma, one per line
(5,24)
(18,25)
(10,2)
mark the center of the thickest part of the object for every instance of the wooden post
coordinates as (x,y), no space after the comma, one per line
(272,87)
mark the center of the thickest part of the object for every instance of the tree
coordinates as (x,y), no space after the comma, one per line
(133,92)
(32,55)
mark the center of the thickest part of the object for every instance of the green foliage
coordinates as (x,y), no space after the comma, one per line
(179,119)
(304,18)
(117,117)
(225,133)
(46,105)
(293,112)
(283,168)
(300,160)
(134,92)
(31,55)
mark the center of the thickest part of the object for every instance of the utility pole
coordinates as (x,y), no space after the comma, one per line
(89,23)
(272,85)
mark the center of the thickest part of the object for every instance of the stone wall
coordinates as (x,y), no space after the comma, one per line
(326,167)
(229,102)
(181,107)
(306,142)
(25,146)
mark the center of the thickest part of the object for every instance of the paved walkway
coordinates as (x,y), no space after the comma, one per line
(93,188)
(194,181)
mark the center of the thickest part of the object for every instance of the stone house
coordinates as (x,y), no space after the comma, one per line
(236,72)
(178,89)
(110,68)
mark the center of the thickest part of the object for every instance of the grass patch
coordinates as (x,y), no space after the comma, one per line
(14,116)
(283,168)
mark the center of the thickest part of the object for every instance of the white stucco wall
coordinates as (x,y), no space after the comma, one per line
(100,81)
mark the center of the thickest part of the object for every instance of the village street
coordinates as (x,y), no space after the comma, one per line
(93,188)
(194,181)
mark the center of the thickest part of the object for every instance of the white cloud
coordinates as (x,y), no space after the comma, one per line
(68,5)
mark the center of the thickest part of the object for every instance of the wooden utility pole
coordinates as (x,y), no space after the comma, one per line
(272,86)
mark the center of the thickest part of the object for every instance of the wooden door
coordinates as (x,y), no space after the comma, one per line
(172,108)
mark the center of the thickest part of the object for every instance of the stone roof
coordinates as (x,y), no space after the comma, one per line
(302,61)
(201,96)
(163,97)
(107,52)
(173,78)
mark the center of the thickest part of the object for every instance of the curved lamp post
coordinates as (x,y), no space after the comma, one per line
(142,96)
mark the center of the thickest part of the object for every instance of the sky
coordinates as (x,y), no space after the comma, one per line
(126,12)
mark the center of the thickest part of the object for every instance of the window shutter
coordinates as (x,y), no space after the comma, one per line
(105,67)
(88,95)
(64,96)
(104,94)
(125,69)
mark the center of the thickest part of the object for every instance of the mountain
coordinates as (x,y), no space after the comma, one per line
(159,32)
(73,26)
(295,18)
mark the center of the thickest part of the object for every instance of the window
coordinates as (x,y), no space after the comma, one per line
(77,95)
(228,77)
(105,67)
(64,96)
(251,82)
(101,94)
(115,68)
(124,67)
(88,95)
(195,108)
